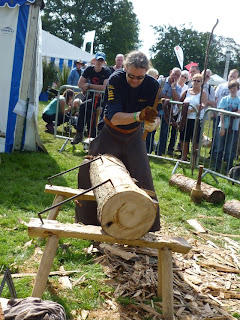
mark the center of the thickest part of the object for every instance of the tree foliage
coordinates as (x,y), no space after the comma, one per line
(194,45)
(116,25)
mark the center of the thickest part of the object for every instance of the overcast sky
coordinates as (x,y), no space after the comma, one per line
(202,14)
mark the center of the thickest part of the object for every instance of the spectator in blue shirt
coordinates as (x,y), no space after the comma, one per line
(228,128)
(75,74)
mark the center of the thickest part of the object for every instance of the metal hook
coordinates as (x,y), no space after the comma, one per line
(72,198)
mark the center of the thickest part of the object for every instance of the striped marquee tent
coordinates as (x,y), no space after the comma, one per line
(20,76)
(61,52)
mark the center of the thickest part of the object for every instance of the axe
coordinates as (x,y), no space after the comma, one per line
(155,104)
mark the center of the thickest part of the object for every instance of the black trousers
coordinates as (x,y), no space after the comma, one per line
(50,118)
(131,150)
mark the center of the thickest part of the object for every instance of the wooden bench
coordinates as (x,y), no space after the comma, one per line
(55,230)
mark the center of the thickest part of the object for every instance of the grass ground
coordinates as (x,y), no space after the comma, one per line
(22,179)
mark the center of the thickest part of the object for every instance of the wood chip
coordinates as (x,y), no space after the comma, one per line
(196,225)
(205,281)
(65,282)
(118,252)
(219,267)
(150,310)
(84,314)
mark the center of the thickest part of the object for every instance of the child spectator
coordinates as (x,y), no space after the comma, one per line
(228,128)
(65,106)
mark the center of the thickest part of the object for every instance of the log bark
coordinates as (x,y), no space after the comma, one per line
(124,210)
(185,184)
(232,207)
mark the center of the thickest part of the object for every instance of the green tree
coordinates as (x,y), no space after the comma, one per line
(117,27)
(194,45)
(122,34)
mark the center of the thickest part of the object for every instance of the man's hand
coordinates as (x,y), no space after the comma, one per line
(151,126)
(85,87)
(147,114)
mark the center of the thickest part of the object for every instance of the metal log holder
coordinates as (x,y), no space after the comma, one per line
(63,172)
(75,196)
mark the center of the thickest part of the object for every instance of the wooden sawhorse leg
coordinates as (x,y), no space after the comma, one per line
(45,266)
(54,212)
(165,282)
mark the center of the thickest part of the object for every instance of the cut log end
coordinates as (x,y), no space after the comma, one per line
(232,207)
(128,215)
(217,196)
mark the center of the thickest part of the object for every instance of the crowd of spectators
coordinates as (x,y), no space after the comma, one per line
(187,86)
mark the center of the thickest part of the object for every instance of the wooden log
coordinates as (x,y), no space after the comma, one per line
(185,184)
(124,210)
(232,207)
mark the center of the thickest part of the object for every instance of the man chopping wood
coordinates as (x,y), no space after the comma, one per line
(132,96)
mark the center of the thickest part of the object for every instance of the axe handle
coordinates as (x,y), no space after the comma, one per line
(144,136)
(199,180)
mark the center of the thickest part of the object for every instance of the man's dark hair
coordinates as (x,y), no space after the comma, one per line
(136,59)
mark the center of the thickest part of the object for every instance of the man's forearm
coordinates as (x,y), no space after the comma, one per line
(98,87)
(175,96)
(122,118)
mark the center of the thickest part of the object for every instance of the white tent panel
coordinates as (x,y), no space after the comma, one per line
(19,77)
(215,80)
(54,47)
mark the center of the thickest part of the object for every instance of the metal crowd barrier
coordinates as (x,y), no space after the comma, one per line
(88,115)
(220,155)
(219,159)
(165,142)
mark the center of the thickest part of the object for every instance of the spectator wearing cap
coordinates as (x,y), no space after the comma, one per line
(84,66)
(75,74)
(96,78)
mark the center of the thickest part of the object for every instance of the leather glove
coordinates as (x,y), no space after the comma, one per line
(147,114)
(151,126)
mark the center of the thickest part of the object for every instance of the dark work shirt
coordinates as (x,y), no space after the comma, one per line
(123,98)
(113,70)
(96,77)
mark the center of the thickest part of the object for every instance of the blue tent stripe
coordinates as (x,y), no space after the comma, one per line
(70,64)
(16,74)
(61,64)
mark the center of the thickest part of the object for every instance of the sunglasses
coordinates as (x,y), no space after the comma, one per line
(184,77)
(196,80)
(131,76)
